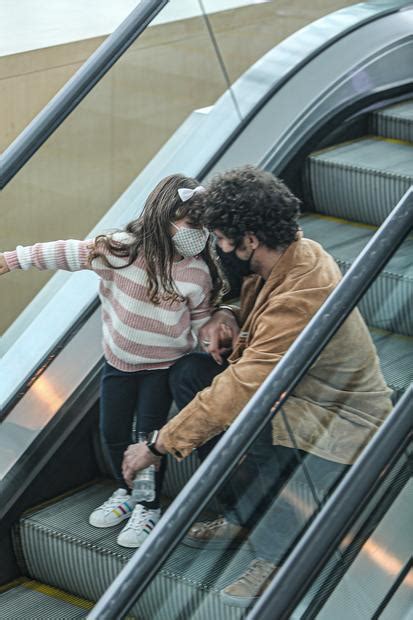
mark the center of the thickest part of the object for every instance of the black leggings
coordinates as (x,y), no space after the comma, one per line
(132,403)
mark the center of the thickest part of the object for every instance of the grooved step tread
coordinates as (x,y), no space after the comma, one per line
(361,180)
(395,122)
(27,599)
(345,240)
(387,304)
(55,544)
(371,154)
(401,111)
(396,359)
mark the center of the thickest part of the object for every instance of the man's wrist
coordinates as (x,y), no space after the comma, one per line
(154,444)
(160,447)
(230,309)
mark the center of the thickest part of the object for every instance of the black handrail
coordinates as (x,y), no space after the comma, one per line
(76,89)
(338,515)
(136,575)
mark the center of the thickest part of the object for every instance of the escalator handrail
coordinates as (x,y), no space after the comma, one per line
(294,61)
(136,575)
(76,89)
(338,515)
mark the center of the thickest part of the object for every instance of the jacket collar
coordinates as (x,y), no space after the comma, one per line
(281,269)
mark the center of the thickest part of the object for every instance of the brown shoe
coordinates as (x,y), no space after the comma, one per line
(247,588)
(218,534)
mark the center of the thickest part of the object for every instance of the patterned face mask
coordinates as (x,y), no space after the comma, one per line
(190,241)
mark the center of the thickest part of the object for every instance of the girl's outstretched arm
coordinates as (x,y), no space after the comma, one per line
(70,255)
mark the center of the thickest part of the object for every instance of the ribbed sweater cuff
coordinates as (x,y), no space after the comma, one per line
(11,260)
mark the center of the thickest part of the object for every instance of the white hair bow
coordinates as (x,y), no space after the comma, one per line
(186,194)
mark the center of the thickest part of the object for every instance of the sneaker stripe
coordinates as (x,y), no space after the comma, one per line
(122,509)
(149,525)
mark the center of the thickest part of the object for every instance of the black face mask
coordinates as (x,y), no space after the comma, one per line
(244,266)
(235,268)
(240,266)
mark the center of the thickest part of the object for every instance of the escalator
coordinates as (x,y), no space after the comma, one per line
(349,156)
(59,548)
(353,187)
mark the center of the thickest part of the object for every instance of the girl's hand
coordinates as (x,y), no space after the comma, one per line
(3,265)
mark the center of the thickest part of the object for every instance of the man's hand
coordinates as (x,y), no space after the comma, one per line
(3,265)
(219,334)
(137,457)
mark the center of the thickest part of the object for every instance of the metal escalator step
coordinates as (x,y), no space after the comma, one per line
(395,121)
(27,599)
(361,180)
(396,359)
(179,472)
(56,544)
(388,302)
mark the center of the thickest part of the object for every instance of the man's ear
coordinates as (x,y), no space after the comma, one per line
(251,240)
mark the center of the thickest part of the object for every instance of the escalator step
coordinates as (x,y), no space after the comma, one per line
(395,121)
(179,472)
(55,544)
(361,180)
(396,359)
(388,302)
(27,599)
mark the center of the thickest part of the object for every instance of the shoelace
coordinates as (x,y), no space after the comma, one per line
(137,519)
(113,501)
(213,525)
(257,571)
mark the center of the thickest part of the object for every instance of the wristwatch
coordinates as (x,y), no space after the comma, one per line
(151,441)
(223,307)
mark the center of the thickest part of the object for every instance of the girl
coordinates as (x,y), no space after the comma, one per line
(159,280)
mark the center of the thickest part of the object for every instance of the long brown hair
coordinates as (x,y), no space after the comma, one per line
(150,236)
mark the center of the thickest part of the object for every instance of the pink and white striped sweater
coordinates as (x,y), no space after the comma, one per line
(137,334)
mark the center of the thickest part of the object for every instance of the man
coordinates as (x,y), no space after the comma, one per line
(328,418)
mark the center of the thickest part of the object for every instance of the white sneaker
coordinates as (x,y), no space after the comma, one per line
(116,509)
(139,526)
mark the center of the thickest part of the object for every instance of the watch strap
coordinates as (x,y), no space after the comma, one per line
(151,441)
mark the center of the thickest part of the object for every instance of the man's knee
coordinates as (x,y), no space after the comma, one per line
(192,373)
(183,372)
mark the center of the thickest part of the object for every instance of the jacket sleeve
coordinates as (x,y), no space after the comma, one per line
(70,255)
(213,409)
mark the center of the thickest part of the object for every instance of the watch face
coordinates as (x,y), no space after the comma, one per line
(151,441)
(152,438)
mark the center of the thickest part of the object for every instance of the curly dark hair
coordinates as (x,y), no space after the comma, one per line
(247,199)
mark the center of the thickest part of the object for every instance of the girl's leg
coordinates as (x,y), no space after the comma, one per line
(154,403)
(118,398)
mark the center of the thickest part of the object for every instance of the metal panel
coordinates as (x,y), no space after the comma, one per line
(376,567)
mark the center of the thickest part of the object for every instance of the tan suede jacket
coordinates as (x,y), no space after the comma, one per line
(335,408)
